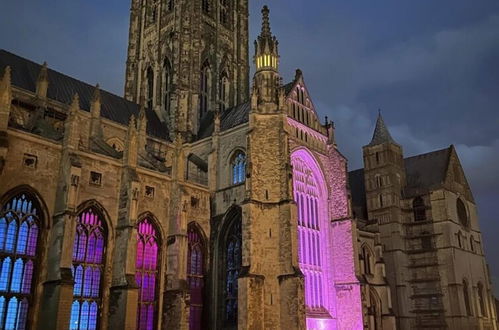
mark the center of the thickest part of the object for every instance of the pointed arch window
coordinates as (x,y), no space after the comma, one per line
(223,93)
(167,82)
(195,276)
(205,90)
(466,297)
(233,260)
(87,269)
(20,224)
(206,6)
(146,274)
(225,7)
(367,260)
(150,87)
(309,198)
(481,300)
(419,209)
(462,214)
(238,165)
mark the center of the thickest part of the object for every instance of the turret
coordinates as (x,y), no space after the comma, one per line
(267,79)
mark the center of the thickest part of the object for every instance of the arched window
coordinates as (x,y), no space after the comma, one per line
(87,269)
(238,165)
(223,93)
(167,80)
(206,6)
(419,209)
(367,260)
(146,274)
(481,300)
(195,276)
(233,260)
(20,224)
(205,90)
(466,298)
(374,311)
(150,87)
(462,214)
(310,199)
(225,7)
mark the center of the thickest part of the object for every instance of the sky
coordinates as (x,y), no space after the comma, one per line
(432,67)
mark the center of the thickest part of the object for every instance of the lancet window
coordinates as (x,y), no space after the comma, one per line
(87,269)
(146,274)
(233,260)
(195,276)
(204,94)
(238,165)
(20,224)
(167,79)
(150,87)
(419,209)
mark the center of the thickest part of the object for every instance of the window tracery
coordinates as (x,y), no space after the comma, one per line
(195,276)
(238,165)
(233,260)
(19,235)
(146,274)
(87,269)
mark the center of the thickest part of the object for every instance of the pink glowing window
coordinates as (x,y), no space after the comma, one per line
(19,234)
(195,276)
(146,274)
(308,198)
(87,269)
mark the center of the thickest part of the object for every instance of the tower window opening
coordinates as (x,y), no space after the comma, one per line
(224,92)
(204,90)
(206,6)
(419,209)
(167,77)
(150,87)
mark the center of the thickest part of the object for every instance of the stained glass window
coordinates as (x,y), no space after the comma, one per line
(238,168)
(233,260)
(88,265)
(146,274)
(19,235)
(308,198)
(195,276)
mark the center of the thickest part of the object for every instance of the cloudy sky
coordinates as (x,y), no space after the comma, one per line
(431,66)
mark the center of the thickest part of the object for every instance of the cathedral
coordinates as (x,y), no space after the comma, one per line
(206,200)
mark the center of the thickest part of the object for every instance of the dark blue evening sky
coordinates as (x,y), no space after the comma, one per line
(431,66)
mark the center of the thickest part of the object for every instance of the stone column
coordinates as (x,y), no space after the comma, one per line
(176,297)
(57,295)
(124,290)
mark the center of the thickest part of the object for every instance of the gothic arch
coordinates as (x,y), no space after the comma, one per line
(91,257)
(368,253)
(197,258)
(231,221)
(23,230)
(316,165)
(155,222)
(35,195)
(375,310)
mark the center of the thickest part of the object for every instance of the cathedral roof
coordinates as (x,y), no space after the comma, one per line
(423,173)
(230,118)
(62,88)
(381,134)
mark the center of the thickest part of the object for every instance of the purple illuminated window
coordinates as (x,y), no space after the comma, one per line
(195,276)
(309,198)
(19,234)
(146,274)
(88,265)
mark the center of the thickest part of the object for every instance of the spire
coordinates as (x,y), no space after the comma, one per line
(265,22)
(266,46)
(381,134)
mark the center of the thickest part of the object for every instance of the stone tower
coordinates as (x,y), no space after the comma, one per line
(187,58)
(270,283)
(384,175)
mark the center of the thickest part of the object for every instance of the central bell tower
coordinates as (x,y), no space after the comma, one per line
(187,58)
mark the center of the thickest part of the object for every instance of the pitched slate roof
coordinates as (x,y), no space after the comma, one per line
(62,88)
(230,118)
(428,170)
(423,172)
(381,133)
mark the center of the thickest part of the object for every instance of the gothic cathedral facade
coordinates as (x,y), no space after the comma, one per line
(201,201)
